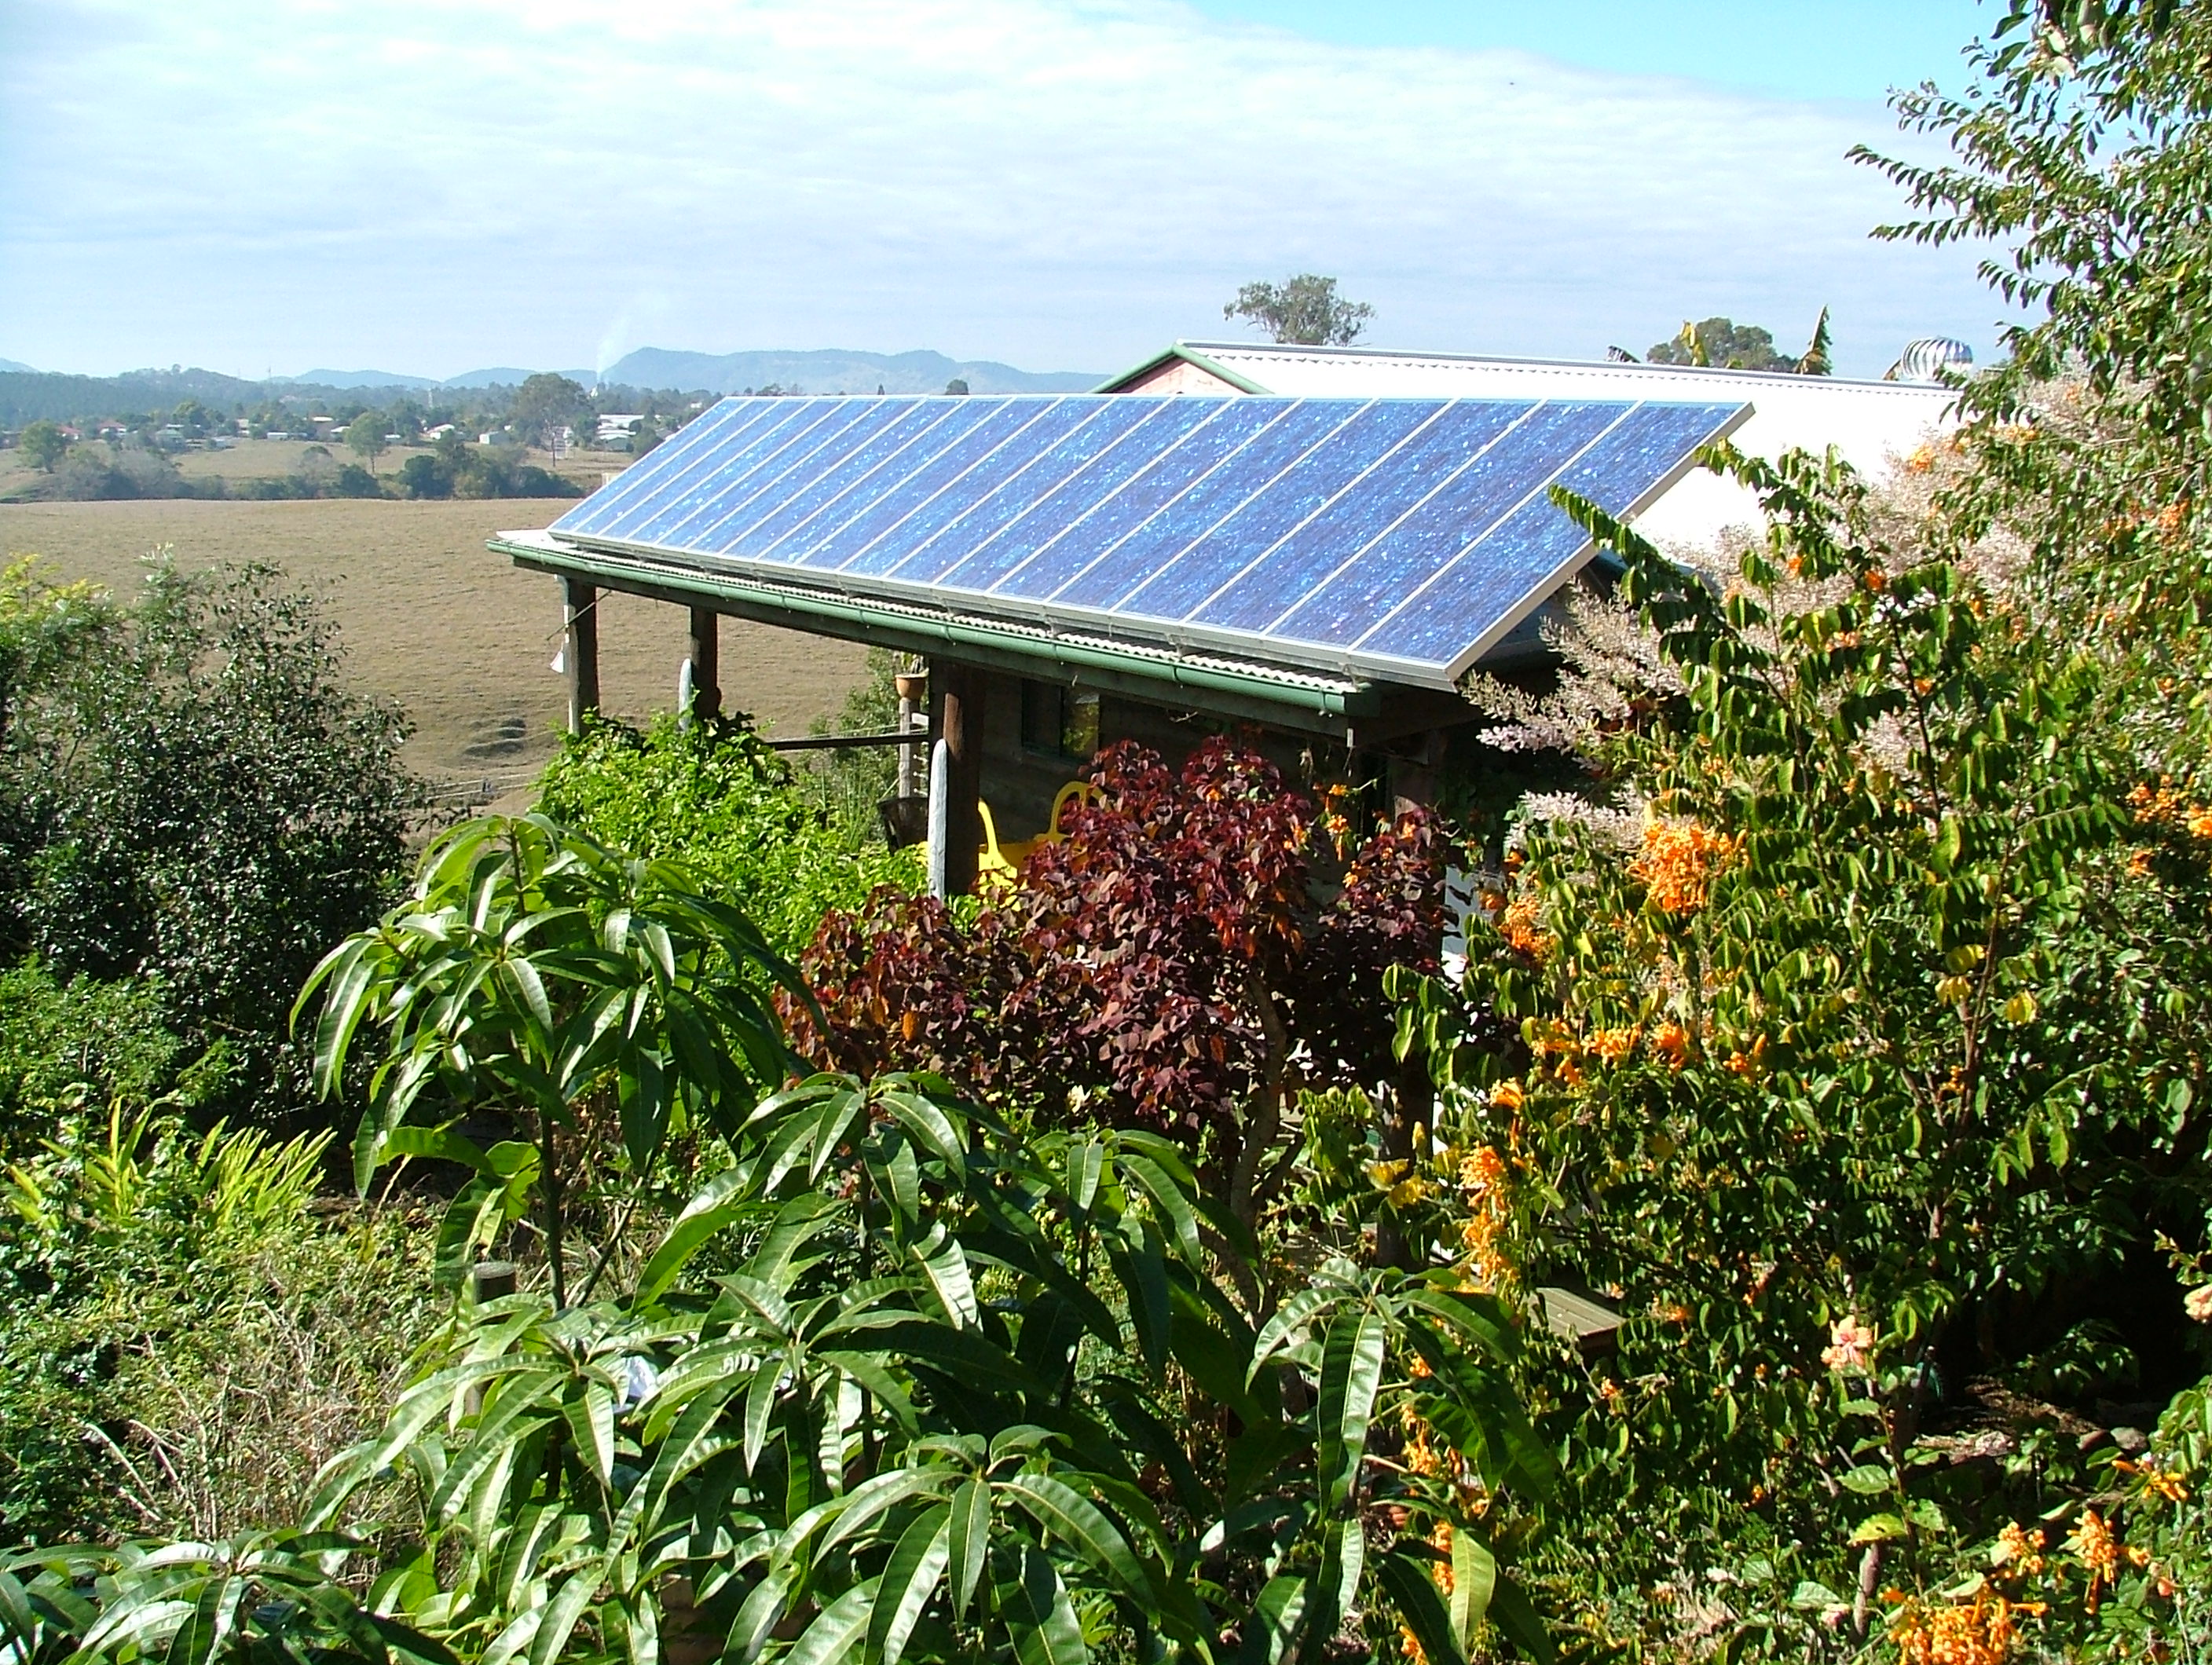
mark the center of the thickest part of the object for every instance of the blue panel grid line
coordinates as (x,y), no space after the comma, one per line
(1619,471)
(1005,424)
(1037,494)
(820,448)
(889,457)
(1213,444)
(696,482)
(859,473)
(1344,606)
(704,494)
(1110,575)
(1358,514)
(1242,541)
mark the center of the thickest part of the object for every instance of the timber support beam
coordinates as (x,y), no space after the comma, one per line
(956,701)
(581,650)
(706,660)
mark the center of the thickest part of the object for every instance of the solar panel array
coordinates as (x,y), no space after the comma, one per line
(1396,538)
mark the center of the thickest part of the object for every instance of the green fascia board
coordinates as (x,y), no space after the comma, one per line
(1242,383)
(1156,678)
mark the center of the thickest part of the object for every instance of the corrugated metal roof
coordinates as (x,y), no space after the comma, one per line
(1871,424)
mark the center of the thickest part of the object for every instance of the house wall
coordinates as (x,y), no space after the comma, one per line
(1178,376)
(1024,773)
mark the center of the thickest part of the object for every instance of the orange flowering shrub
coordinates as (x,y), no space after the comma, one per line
(1679,861)
(1518,925)
(1982,1632)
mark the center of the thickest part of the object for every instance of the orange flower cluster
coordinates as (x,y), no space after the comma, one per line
(1980,1633)
(2019,1553)
(2097,1548)
(2166,803)
(1423,1458)
(1671,1042)
(1678,863)
(1612,1044)
(1749,1063)
(1484,1178)
(1518,925)
(2158,1482)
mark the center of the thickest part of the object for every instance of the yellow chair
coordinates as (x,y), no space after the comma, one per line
(1000,863)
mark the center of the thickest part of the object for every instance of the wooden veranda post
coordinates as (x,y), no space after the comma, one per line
(957,692)
(582,654)
(706,663)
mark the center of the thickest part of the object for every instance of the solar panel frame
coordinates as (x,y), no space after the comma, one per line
(907,497)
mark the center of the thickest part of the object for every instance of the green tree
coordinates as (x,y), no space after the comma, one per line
(1723,344)
(188,792)
(44,445)
(364,436)
(535,973)
(545,404)
(1305,309)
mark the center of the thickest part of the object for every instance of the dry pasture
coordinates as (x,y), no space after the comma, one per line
(428,617)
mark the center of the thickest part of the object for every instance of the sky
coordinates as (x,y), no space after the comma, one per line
(428,187)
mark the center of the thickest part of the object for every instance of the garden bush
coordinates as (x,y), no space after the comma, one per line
(185,1336)
(189,795)
(63,1044)
(1173,964)
(896,1374)
(732,811)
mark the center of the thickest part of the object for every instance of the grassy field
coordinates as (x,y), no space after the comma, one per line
(430,617)
(269,460)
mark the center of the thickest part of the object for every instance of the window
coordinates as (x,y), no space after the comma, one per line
(1058,721)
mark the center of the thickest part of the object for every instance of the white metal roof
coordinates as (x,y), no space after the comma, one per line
(1872,423)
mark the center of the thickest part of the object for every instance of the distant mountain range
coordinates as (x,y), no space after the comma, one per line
(823,370)
(830,370)
(27,394)
(502,376)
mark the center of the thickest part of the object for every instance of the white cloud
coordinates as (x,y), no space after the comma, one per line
(427,185)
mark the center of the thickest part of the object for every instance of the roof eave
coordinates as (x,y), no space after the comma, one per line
(1300,699)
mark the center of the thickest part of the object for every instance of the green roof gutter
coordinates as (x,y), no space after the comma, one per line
(1252,695)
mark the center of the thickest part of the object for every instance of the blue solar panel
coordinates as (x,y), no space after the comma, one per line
(1394,537)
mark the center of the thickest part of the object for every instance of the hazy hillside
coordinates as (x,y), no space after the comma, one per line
(832,370)
(26,395)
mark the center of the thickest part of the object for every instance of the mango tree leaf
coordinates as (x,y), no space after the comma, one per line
(909,1579)
(834,1637)
(1038,1612)
(1066,1514)
(1474,1579)
(970,1542)
(1405,1581)
(1351,1374)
